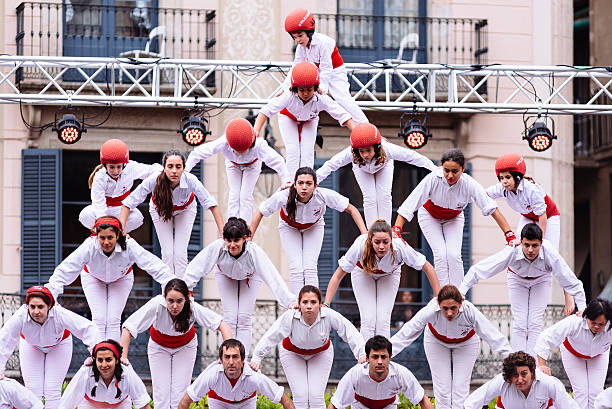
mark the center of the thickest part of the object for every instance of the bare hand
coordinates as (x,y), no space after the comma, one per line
(569,306)
(580,313)
(515,242)
(286,185)
(545,369)
(125,361)
(256,131)
(1,376)
(88,361)
(254,365)
(294,306)
(362,359)
(320,91)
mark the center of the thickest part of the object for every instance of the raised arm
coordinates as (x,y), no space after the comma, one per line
(344,157)
(408,155)
(203,152)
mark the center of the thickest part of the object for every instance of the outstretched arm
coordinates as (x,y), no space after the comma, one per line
(185,402)
(432,277)
(259,123)
(333,285)
(218,218)
(352,210)
(255,222)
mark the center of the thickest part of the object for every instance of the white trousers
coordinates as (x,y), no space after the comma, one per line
(238,301)
(307,376)
(375,295)
(174,236)
(553,229)
(106,302)
(171,370)
(44,369)
(298,152)
(376,191)
(87,217)
(302,248)
(241,181)
(247,404)
(528,300)
(445,238)
(126,404)
(587,376)
(339,88)
(451,369)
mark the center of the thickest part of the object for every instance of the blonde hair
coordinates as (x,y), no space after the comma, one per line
(368,259)
(93,173)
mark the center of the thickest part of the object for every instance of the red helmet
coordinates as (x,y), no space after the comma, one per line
(39,289)
(239,134)
(304,74)
(510,162)
(299,20)
(364,135)
(114,151)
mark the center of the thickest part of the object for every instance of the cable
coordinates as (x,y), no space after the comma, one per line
(29,126)
(110,110)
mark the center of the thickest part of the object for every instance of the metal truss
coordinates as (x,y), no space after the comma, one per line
(389,85)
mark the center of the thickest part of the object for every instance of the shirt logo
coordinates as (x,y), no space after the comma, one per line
(317,211)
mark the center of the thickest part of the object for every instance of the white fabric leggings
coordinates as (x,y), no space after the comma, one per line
(241,181)
(302,248)
(87,217)
(376,191)
(587,376)
(298,152)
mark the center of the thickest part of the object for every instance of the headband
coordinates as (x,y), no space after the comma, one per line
(39,289)
(111,221)
(108,345)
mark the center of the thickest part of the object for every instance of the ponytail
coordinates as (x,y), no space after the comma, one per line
(291,205)
(163,191)
(93,173)
(368,259)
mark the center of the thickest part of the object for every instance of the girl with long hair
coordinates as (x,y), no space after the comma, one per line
(172,208)
(173,343)
(301,224)
(374,261)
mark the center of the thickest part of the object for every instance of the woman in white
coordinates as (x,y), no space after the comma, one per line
(453,328)
(306,352)
(240,268)
(244,155)
(372,159)
(14,395)
(440,199)
(299,115)
(106,383)
(105,264)
(585,350)
(301,224)
(110,183)
(173,342)
(173,208)
(44,333)
(374,261)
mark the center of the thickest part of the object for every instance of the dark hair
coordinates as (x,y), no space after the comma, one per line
(235,228)
(379,154)
(295,89)
(181,321)
(120,237)
(454,155)
(368,259)
(531,231)
(118,368)
(291,206)
(232,343)
(514,360)
(39,294)
(598,307)
(162,191)
(376,343)
(449,292)
(310,289)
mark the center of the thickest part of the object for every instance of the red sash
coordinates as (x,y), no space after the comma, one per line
(176,208)
(116,201)
(571,349)
(99,404)
(292,223)
(129,270)
(336,58)
(172,341)
(213,395)
(286,112)
(440,213)
(500,405)
(450,340)
(245,164)
(64,336)
(551,210)
(290,347)
(373,271)
(374,403)
(526,278)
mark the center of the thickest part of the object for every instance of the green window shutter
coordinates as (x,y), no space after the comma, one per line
(328,258)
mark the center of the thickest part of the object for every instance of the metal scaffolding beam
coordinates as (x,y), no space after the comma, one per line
(388,85)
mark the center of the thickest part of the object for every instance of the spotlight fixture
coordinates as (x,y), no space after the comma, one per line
(194,130)
(69,129)
(538,135)
(414,132)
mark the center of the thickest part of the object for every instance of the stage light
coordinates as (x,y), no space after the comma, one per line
(415,134)
(539,136)
(69,129)
(194,130)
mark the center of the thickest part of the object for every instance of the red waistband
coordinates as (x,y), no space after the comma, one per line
(336,59)
(500,405)
(551,210)
(440,213)
(526,278)
(374,403)
(213,395)
(292,223)
(300,124)
(129,270)
(245,164)
(116,201)
(172,341)
(571,349)
(290,347)
(64,336)
(99,404)
(373,271)
(450,340)
(181,207)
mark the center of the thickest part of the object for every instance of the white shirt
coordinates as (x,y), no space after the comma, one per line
(50,333)
(604,399)
(15,395)
(261,150)
(548,261)
(529,197)
(249,381)
(404,254)
(392,151)
(188,184)
(253,263)
(103,185)
(155,313)
(469,318)
(305,111)
(83,382)
(357,381)
(291,324)
(309,212)
(543,389)
(576,330)
(434,187)
(107,268)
